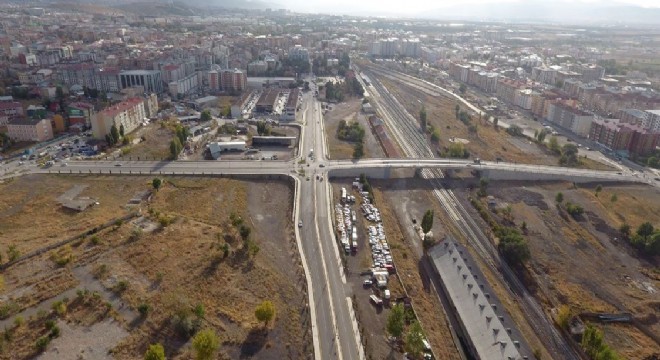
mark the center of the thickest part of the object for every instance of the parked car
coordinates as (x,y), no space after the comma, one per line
(367,282)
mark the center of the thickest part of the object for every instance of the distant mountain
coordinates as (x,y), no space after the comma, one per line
(563,11)
(169,7)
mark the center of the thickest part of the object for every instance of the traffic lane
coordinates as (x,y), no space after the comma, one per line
(345,329)
(314,258)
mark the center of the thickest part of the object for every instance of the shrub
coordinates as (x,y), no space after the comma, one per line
(144,309)
(42,343)
(54,332)
(121,286)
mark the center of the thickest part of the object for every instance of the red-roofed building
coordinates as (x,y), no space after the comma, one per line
(129,113)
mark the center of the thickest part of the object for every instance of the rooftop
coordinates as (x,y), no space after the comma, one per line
(485,321)
(122,106)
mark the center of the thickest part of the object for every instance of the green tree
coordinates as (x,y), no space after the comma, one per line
(265,312)
(415,340)
(569,155)
(462,89)
(541,136)
(435,136)
(422,118)
(396,321)
(109,139)
(427,221)
(205,344)
(599,188)
(358,150)
(483,186)
(645,230)
(553,145)
(115,134)
(653,162)
(559,198)
(156,183)
(121,130)
(614,198)
(205,116)
(496,122)
(512,245)
(13,253)
(155,352)
(175,148)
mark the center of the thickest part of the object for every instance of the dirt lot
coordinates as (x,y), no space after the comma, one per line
(170,269)
(349,111)
(31,218)
(584,263)
(155,146)
(489,143)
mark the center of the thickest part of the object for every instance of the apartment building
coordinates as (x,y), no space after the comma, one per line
(11,109)
(30,130)
(652,121)
(570,118)
(589,72)
(507,89)
(233,80)
(623,137)
(130,113)
(213,80)
(298,53)
(546,75)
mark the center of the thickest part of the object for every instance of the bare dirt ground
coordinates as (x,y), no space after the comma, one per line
(31,218)
(489,143)
(156,145)
(171,270)
(584,263)
(349,111)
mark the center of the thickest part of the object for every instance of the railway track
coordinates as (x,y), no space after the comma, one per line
(408,135)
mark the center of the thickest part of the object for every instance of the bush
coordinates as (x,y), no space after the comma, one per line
(54,332)
(59,307)
(512,245)
(121,286)
(49,324)
(42,343)
(353,132)
(144,309)
(574,210)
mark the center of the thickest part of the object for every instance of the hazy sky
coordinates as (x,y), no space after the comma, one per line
(407,7)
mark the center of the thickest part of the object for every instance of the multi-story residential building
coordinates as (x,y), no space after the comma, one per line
(410,48)
(291,107)
(523,98)
(233,80)
(11,109)
(32,130)
(589,72)
(213,80)
(149,79)
(623,137)
(632,116)
(184,86)
(129,113)
(507,88)
(83,74)
(652,121)
(298,53)
(459,71)
(108,79)
(546,75)
(570,118)
(151,105)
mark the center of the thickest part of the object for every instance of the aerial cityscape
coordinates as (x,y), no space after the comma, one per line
(232,179)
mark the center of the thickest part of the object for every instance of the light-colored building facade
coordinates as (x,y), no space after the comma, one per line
(31,130)
(130,113)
